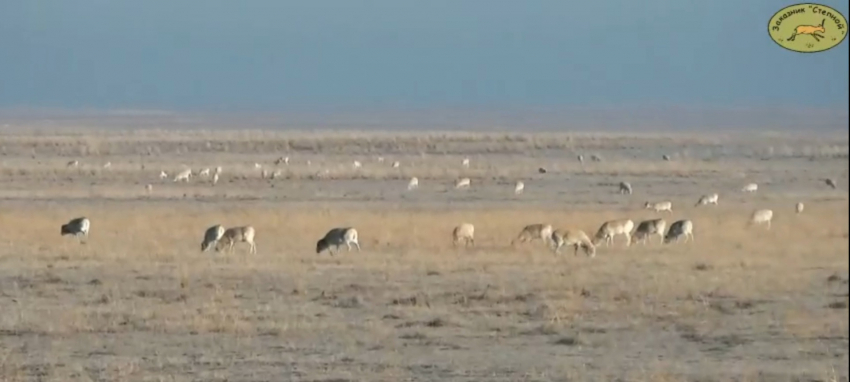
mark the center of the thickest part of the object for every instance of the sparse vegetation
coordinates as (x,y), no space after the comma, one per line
(139,301)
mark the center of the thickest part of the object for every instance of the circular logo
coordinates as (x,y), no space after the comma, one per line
(807,28)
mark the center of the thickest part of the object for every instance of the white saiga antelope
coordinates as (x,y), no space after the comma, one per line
(761,217)
(413,184)
(462,183)
(520,186)
(465,232)
(613,228)
(660,206)
(575,238)
(183,175)
(707,199)
(752,187)
(234,235)
(533,232)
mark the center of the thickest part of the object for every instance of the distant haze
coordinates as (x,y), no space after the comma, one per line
(706,59)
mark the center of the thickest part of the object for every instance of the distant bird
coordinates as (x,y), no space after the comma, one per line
(73,163)
(581,158)
(799,207)
(541,170)
(665,157)
(830,182)
(519,187)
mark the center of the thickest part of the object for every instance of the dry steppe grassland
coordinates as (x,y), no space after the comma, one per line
(140,302)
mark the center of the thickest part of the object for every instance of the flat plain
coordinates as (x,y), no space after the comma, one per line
(140,301)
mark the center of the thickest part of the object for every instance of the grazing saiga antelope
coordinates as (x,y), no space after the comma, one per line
(396,164)
(215,179)
(799,207)
(575,238)
(707,199)
(357,164)
(234,235)
(463,183)
(647,228)
(761,216)
(211,237)
(596,158)
(533,232)
(78,227)
(613,228)
(580,158)
(465,162)
(149,188)
(413,184)
(679,229)
(811,30)
(625,188)
(73,163)
(660,206)
(163,175)
(204,172)
(520,186)
(752,187)
(183,175)
(465,232)
(336,237)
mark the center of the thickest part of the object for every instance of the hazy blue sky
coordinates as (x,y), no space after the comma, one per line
(286,55)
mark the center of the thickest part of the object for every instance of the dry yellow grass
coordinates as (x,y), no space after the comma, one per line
(141,302)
